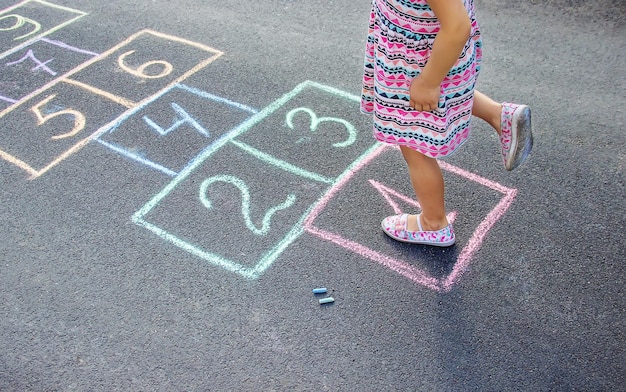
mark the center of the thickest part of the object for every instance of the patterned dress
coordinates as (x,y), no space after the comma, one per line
(399,43)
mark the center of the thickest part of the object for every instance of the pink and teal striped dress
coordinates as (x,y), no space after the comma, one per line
(399,42)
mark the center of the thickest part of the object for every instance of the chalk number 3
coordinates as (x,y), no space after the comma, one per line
(317,121)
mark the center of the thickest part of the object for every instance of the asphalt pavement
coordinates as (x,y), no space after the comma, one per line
(177,177)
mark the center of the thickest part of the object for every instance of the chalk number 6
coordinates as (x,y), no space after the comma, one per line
(140,71)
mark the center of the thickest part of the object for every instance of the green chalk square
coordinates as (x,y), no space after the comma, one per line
(320,130)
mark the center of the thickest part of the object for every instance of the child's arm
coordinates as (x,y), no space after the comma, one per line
(448,45)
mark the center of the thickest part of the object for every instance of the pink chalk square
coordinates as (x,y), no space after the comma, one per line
(376,197)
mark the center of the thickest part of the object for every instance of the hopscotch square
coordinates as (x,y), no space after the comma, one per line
(397,256)
(35,66)
(144,64)
(68,116)
(307,186)
(235,211)
(314,121)
(167,132)
(29,20)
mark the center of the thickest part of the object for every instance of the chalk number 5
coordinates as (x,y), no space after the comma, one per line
(79,118)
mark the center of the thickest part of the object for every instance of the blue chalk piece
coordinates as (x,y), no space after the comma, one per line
(319,290)
(327,300)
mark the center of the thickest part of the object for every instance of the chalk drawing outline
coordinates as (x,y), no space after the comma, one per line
(270,159)
(403,268)
(65,46)
(59,44)
(148,162)
(58,27)
(7,99)
(65,78)
(185,119)
(387,192)
(40,65)
(269,257)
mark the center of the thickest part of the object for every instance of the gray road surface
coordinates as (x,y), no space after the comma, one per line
(176,177)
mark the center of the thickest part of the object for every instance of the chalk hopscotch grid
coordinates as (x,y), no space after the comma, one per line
(65,78)
(248,272)
(306,222)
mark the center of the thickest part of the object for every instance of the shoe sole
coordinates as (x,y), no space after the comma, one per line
(439,244)
(521,138)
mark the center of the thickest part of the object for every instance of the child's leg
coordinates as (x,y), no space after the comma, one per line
(428,184)
(487,109)
(511,122)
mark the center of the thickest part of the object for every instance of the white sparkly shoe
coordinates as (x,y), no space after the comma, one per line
(516,136)
(395,227)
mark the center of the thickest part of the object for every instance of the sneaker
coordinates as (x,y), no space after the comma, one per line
(395,227)
(516,137)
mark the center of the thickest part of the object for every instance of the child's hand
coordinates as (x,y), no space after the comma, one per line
(423,97)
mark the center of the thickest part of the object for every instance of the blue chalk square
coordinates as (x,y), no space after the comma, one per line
(168,131)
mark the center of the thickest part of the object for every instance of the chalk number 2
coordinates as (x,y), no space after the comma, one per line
(245,202)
